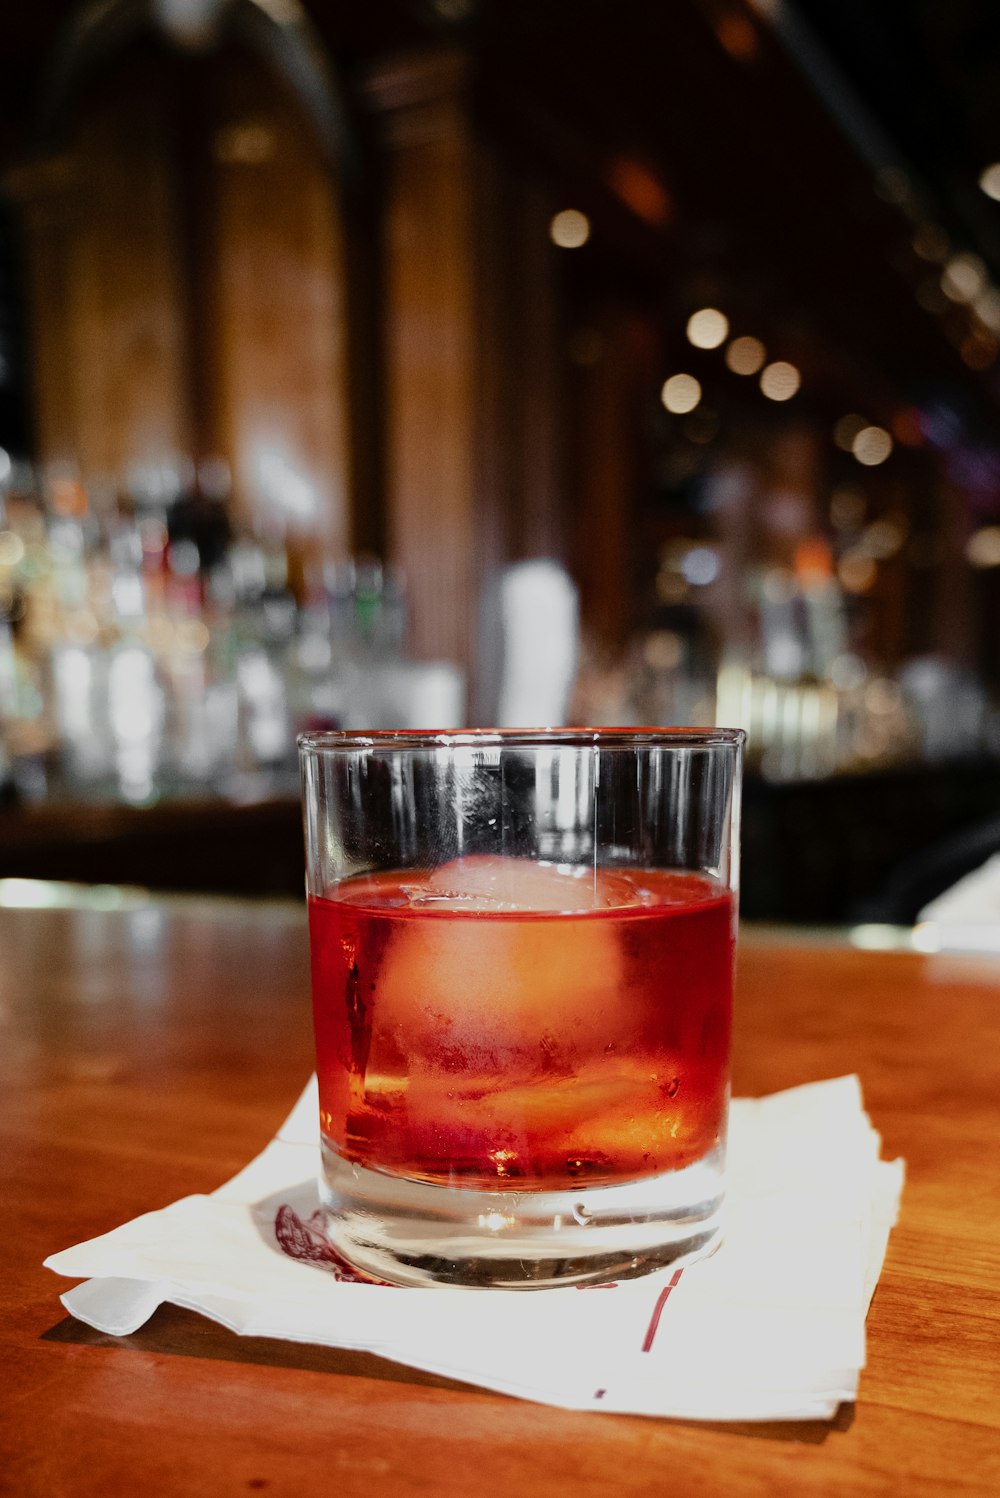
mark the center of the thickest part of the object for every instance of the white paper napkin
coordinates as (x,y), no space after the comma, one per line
(772,1327)
(966,917)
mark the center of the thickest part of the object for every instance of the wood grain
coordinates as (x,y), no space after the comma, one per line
(430,358)
(148,1052)
(186,279)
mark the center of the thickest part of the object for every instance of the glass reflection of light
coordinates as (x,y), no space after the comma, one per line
(707,328)
(779,381)
(570,229)
(745,355)
(681,393)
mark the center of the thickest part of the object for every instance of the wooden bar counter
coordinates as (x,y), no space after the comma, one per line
(150,1050)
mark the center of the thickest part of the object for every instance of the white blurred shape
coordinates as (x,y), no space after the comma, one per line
(539,613)
(701,566)
(407,694)
(281,483)
(134,701)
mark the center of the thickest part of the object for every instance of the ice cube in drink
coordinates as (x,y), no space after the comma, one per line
(505,1023)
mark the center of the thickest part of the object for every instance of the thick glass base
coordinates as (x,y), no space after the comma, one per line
(410,1233)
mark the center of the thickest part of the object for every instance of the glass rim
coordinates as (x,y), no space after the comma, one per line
(328,741)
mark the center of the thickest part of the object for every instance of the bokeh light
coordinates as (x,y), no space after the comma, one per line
(779,381)
(701,566)
(745,355)
(989,181)
(872,446)
(987,308)
(983,547)
(857,572)
(963,278)
(570,229)
(681,393)
(707,328)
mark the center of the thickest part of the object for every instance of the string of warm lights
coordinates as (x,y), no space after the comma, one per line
(963,282)
(779,381)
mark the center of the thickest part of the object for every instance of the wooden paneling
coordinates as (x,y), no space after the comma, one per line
(604,440)
(277,305)
(185,261)
(105,316)
(431,375)
(472,384)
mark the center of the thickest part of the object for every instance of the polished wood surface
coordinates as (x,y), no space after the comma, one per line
(148,1052)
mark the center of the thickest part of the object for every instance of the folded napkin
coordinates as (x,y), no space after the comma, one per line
(772,1327)
(966,917)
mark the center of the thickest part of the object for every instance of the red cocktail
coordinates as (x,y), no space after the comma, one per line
(522,952)
(502,1023)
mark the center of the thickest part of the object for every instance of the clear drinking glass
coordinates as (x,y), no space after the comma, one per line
(522,956)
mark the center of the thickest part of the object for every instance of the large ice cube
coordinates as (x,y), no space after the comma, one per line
(489,882)
(480,979)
